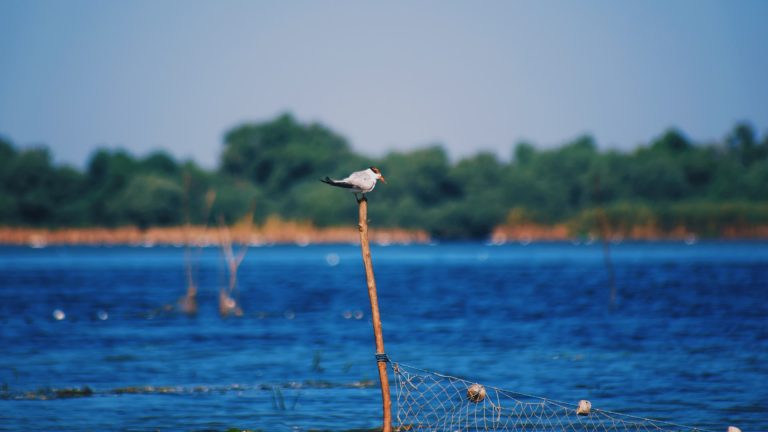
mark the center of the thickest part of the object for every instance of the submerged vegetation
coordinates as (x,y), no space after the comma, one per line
(709,189)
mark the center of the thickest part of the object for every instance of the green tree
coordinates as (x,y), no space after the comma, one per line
(276,155)
(557,179)
(422,174)
(108,174)
(742,143)
(159,162)
(29,179)
(149,200)
(655,177)
(66,192)
(672,141)
(234,198)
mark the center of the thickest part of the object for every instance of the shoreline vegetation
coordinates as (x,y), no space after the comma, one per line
(268,177)
(303,234)
(272,232)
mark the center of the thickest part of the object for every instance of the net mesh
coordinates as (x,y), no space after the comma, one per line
(429,401)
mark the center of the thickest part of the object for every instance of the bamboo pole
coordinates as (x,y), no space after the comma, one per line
(375,317)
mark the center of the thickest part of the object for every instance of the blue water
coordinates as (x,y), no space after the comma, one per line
(686,341)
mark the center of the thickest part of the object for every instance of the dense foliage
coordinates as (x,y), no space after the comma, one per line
(274,167)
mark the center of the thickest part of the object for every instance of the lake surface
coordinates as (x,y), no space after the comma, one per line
(87,345)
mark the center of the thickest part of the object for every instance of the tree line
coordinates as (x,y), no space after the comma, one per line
(272,169)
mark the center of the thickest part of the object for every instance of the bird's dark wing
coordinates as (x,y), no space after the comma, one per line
(337,183)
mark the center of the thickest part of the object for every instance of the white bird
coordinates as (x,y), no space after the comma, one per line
(359,181)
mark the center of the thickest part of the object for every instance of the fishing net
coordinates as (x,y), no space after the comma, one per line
(429,401)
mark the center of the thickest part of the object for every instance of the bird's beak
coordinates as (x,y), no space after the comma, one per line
(383,179)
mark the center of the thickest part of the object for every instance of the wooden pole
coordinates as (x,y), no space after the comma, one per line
(604,227)
(375,317)
(607,254)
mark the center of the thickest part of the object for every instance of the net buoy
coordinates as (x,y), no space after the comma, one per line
(476,393)
(584,407)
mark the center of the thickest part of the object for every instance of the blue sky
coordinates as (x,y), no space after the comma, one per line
(76,75)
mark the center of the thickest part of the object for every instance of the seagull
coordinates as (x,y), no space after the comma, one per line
(359,181)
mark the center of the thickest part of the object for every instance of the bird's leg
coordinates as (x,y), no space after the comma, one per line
(357,198)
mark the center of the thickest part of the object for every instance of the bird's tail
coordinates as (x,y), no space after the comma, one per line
(337,183)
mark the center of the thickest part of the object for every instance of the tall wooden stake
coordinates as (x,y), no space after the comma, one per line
(375,318)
